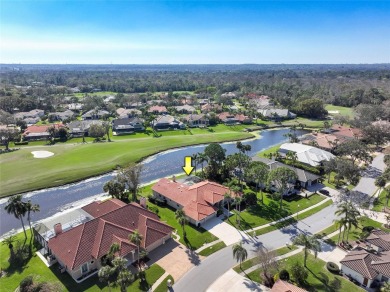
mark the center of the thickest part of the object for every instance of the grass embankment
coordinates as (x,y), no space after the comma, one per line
(254,261)
(268,211)
(163,285)
(287,222)
(342,110)
(319,279)
(380,202)
(35,267)
(196,236)
(75,162)
(212,249)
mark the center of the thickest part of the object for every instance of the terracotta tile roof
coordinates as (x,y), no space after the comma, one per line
(344,131)
(379,238)
(92,240)
(360,261)
(283,286)
(157,108)
(40,129)
(197,200)
(97,209)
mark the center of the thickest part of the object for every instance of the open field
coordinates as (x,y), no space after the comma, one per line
(345,111)
(320,279)
(73,162)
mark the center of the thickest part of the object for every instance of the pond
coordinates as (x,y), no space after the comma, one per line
(167,163)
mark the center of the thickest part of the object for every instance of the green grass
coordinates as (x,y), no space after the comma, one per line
(212,249)
(75,162)
(380,202)
(345,111)
(254,261)
(320,279)
(354,233)
(328,230)
(332,183)
(268,151)
(163,285)
(293,220)
(261,214)
(35,267)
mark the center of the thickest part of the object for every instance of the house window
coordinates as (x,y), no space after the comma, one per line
(84,268)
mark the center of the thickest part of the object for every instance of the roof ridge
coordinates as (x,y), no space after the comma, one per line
(78,245)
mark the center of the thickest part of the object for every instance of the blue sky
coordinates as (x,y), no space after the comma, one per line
(201,32)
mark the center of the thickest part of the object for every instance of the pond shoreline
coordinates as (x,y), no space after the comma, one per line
(73,182)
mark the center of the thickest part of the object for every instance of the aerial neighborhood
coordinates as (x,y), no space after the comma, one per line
(282,190)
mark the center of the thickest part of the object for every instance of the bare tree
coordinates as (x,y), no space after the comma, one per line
(268,265)
(130,176)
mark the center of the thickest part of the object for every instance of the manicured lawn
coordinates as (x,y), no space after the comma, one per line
(163,285)
(380,202)
(35,267)
(254,261)
(354,233)
(267,152)
(328,230)
(320,279)
(196,236)
(212,249)
(261,214)
(345,111)
(332,183)
(74,162)
(293,220)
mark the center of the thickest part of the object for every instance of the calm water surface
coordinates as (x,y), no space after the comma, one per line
(54,200)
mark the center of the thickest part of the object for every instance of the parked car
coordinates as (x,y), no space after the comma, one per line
(324,192)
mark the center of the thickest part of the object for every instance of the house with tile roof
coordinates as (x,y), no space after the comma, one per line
(81,249)
(167,122)
(127,126)
(199,201)
(372,264)
(158,109)
(35,132)
(194,120)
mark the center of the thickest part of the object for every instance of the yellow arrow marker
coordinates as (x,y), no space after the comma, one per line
(188,168)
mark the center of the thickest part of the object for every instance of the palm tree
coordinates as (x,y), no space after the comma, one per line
(136,238)
(106,126)
(201,160)
(16,207)
(227,197)
(341,223)
(114,248)
(31,208)
(105,274)
(195,159)
(238,201)
(309,243)
(239,253)
(181,218)
(10,242)
(387,190)
(350,213)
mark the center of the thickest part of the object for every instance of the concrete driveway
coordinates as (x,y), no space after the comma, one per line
(331,253)
(233,282)
(174,258)
(224,231)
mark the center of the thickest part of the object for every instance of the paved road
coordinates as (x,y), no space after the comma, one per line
(202,276)
(366,184)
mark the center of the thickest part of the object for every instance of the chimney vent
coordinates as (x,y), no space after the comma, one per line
(174,178)
(58,228)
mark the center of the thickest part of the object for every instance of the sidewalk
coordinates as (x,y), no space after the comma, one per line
(288,217)
(278,258)
(159,280)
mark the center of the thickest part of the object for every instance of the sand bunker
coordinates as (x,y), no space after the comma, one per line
(333,112)
(42,154)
